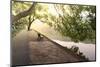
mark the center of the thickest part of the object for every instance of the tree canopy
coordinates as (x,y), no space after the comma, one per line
(75,21)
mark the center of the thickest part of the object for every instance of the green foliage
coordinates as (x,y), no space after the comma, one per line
(75,21)
(18,26)
(92,16)
(74,24)
(18,7)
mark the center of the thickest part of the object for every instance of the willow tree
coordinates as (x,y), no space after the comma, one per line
(76,21)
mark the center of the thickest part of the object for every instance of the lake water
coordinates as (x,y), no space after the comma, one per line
(87,49)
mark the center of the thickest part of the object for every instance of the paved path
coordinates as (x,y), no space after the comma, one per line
(26,49)
(20,50)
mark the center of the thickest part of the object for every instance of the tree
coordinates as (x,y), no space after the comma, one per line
(74,24)
(24,13)
(21,15)
(74,21)
(92,16)
(31,19)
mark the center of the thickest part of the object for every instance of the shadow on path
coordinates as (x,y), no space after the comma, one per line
(26,49)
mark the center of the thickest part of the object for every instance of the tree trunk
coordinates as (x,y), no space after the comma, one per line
(23,14)
(29,26)
(30,22)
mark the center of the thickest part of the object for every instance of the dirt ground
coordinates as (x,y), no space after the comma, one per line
(26,49)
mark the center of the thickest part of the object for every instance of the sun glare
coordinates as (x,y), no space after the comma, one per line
(52,10)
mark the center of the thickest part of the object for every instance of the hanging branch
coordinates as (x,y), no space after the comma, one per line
(63,17)
(23,14)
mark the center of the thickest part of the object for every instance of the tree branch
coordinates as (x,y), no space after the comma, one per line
(23,14)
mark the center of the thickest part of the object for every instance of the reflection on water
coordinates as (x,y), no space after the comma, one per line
(87,49)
